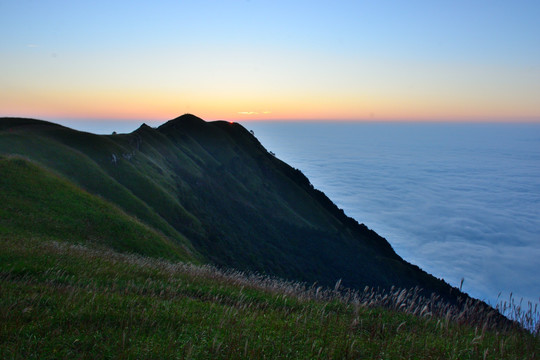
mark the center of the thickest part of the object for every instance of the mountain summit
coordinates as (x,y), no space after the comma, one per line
(215,192)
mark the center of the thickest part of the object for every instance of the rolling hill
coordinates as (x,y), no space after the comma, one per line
(209,192)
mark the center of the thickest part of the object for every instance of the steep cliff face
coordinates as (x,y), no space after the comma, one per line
(214,189)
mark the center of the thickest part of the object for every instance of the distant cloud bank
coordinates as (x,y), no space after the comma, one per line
(460,201)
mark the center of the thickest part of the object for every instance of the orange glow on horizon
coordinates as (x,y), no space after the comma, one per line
(141,112)
(162,106)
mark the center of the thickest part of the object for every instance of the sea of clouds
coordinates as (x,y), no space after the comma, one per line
(462,201)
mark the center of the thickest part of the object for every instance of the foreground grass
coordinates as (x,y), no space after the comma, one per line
(60,300)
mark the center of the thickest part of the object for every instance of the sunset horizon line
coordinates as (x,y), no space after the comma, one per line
(240,119)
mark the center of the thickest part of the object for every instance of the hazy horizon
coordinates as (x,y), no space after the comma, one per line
(104,126)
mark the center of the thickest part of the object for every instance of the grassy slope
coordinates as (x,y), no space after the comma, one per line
(213,188)
(64,301)
(85,159)
(36,202)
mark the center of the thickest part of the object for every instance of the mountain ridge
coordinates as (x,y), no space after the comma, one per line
(213,187)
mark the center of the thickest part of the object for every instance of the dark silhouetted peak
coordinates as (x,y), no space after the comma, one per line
(144,128)
(186,121)
(189,118)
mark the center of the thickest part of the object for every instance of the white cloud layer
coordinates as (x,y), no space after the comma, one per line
(460,201)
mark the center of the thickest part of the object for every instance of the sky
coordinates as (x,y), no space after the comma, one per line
(279,60)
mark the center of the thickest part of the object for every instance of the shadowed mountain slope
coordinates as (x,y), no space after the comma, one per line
(213,189)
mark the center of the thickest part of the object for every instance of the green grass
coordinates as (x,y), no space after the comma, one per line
(36,202)
(61,300)
(87,170)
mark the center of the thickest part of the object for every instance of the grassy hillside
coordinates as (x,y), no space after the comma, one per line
(213,189)
(50,145)
(63,301)
(38,203)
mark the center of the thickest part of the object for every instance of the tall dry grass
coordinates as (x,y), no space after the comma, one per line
(506,315)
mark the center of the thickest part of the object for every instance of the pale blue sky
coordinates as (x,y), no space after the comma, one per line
(271,59)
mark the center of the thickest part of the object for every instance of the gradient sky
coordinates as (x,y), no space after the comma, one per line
(239,60)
